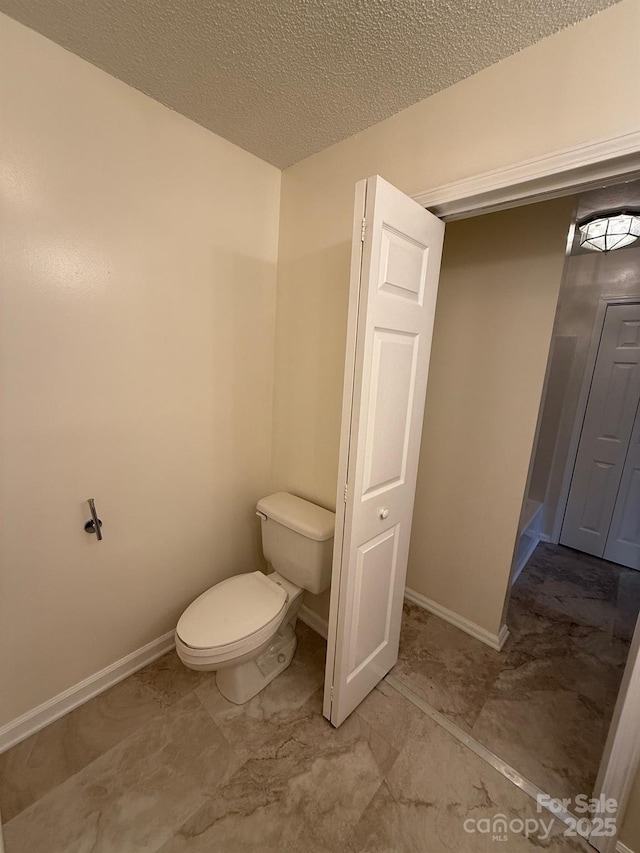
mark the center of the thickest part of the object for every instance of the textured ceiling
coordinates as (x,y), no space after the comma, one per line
(285,78)
(626,194)
(615,197)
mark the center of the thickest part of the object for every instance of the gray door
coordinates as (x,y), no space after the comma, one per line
(603,510)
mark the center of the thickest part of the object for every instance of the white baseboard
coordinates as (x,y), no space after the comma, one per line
(545,537)
(527,541)
(523,558)
(318,623)
(22,727)
(622,848)
(38,718)
(496,641)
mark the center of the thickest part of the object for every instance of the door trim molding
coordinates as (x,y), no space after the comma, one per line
(590,365)
(494,641)
(562,172)
(48,712)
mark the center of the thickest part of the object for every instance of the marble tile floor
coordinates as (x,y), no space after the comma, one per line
(544,703)
(162,762)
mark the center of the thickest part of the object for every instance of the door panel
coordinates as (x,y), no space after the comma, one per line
(388,431)
(614,425)
(623,542)
(372,596)
(606,433)
(593,517)
(404,265)
(394,277)
(629,334)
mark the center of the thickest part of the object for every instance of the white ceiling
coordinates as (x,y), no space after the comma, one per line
(286,78)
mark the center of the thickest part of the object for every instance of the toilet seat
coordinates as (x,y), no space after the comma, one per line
(233,617)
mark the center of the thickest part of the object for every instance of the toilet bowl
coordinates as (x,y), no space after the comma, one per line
(235,620)
(243,628)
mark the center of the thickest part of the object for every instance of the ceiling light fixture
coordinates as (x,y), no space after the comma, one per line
(607,231)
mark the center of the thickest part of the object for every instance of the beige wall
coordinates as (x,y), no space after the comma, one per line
(497,298)
(522,107)
(138,290)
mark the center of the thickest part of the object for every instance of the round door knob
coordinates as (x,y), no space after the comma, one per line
(384,513)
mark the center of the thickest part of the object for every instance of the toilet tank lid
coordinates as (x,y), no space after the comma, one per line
(305,518)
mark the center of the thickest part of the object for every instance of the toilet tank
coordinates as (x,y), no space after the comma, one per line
(297,539)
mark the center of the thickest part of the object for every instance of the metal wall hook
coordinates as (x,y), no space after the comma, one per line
(94,524)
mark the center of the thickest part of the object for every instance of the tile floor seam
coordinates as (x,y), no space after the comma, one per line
(220,728)
(467,740)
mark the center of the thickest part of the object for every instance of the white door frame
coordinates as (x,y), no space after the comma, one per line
(562,173)
(598,324)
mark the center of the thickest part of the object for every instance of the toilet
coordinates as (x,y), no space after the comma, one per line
(243,628)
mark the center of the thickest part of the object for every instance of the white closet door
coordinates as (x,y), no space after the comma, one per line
(606,433)
(394,280)
(623,542)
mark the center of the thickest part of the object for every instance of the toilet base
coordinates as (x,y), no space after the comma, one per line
(240,683)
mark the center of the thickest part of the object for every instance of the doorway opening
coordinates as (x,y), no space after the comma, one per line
(544,704)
